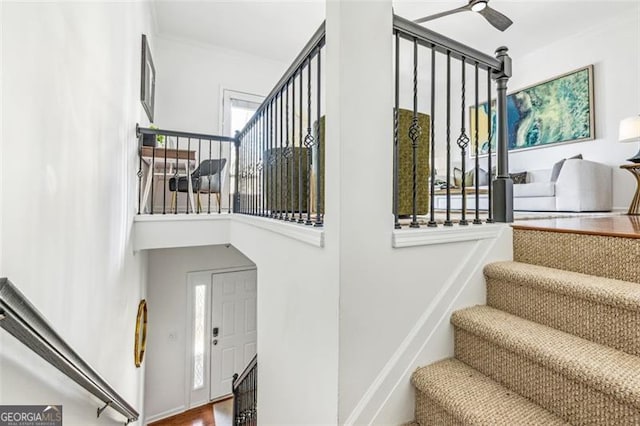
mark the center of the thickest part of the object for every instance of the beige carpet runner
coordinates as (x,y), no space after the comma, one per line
(552,347)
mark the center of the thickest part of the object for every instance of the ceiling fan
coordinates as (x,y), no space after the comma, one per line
(494,17)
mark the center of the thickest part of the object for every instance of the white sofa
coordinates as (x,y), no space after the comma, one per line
(582,186)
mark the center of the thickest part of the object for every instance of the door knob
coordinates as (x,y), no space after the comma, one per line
(215,342)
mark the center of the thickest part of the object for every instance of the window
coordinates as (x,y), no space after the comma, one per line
(199,306)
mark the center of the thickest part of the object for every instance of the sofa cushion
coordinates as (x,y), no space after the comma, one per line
(535,189)
(469,177)
(538,175)
(555,171)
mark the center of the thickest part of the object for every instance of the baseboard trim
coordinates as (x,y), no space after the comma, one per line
(165,414)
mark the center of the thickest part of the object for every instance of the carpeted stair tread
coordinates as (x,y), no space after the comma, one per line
(617,293)
(604,369)
(603,310)
(472,398)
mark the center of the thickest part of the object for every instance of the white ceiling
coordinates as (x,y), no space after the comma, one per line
(279,29)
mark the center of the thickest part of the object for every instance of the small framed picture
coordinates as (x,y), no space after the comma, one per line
(148,80)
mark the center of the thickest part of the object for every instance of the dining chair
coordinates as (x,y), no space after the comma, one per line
(206,179)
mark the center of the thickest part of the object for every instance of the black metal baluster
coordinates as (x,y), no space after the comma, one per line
(309,142)
(140,174)
(153,171)
(414,134)
(273,160)
(432,218)
(463,141)
(209,197)
(476,220)
(199,161)
(176,176)
(319,148)
(164,177)
(396,112)
(286,153)
(187,168)
(447,221)
(293,148)
(489,137)
(301,175)
(281,158)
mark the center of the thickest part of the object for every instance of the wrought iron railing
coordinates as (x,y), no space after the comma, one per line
(245,393)
(22,320)
(182,172)
(418,128)
(281,149)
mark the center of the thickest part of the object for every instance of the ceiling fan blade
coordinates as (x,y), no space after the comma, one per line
(440,15)
(496,18)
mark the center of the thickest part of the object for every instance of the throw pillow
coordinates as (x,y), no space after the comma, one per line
(470,177)
(555,172)
(518,178)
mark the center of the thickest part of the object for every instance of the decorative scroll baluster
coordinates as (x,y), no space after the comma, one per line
(463,142)
(447,221)
(415,131)
(396,111)
(319,148)
(309,142)
(432,217)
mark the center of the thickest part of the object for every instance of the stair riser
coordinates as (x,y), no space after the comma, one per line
(610,257)
(604,324)
(430,413)
(574,402)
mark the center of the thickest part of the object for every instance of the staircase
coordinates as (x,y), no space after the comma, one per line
(557,343)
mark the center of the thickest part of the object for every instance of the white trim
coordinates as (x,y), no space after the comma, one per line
(165,414)
(225,108)
(306,234)
(403,360)
(443,235)
(191,217)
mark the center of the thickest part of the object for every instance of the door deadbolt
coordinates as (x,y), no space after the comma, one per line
(215,331)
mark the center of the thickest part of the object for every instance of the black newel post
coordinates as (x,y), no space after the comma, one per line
(503,185)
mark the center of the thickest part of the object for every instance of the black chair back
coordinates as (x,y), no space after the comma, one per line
(210,167)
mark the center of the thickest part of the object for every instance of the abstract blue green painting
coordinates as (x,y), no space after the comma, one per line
(559,110)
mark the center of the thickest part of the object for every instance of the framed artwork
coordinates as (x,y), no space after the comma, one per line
(559,110)
(140,343)
(148,80)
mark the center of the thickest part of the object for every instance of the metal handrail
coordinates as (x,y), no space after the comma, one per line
(316,41)
(444,44)
(181,134)
(237,380)
(22,320)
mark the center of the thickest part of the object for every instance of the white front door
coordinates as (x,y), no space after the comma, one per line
(233,327)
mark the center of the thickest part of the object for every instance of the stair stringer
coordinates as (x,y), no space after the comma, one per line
(389,399)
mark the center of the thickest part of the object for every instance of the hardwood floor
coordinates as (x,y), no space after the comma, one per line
(611,226)
(200,416)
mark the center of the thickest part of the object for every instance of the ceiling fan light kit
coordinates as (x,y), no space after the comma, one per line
(478,6)
(495,18)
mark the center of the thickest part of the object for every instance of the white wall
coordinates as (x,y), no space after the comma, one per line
(614,49)
(190,79)
(297,326)
(70,102)
(167,340)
